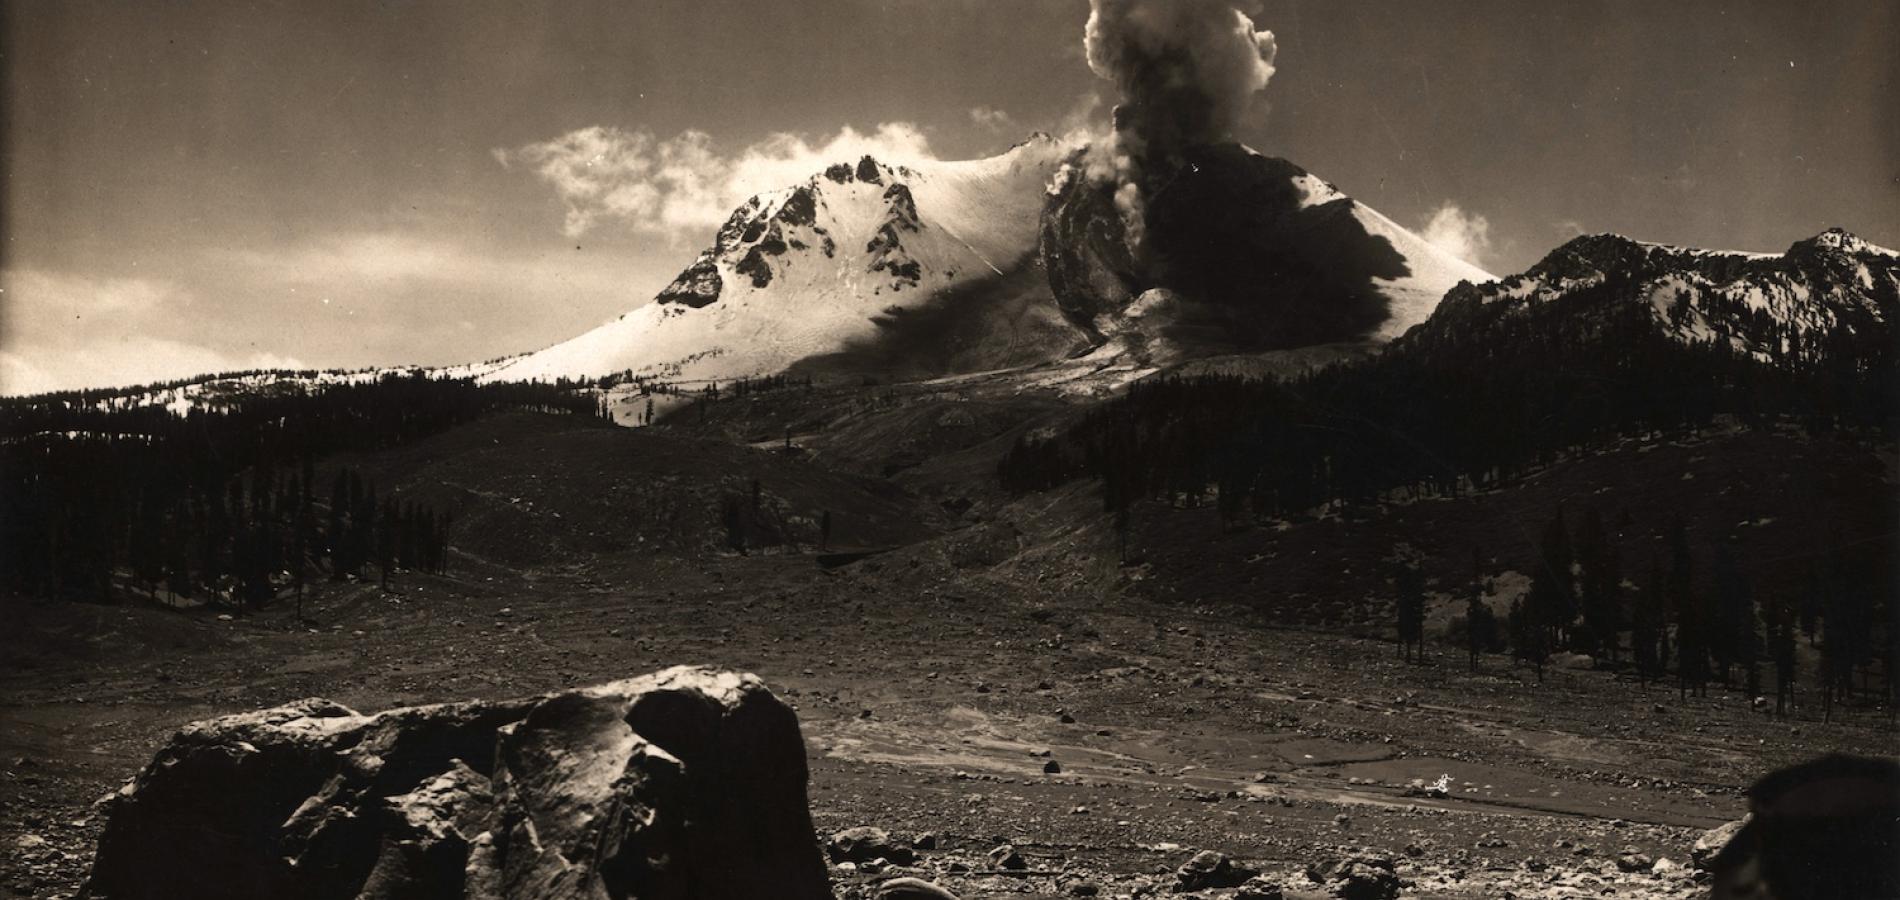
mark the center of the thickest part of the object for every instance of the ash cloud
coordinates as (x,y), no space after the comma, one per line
(1186,70)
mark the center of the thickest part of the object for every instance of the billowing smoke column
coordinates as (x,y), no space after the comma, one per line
(1186,70)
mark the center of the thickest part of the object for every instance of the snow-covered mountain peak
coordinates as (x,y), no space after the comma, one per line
(823,266)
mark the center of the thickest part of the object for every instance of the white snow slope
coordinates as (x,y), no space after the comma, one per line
(801,272)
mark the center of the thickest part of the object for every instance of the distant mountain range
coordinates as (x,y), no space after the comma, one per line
(1249,264)
(1828,296)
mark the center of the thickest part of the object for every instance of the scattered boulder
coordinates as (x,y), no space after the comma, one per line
(1702,855)
(1361,877)
(687,783)
(911,889)
(865,844)
(1632,860)
(1210,869)
(1580,662)
(1259,888)
(1006,857)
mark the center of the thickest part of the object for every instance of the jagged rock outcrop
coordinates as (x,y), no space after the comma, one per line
(698,286)
(687,783)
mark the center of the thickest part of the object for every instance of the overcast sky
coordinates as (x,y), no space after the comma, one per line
(199,186)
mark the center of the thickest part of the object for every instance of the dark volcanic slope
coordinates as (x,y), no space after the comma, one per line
(1259,254)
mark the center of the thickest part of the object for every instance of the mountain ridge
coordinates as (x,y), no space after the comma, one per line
(1830,295)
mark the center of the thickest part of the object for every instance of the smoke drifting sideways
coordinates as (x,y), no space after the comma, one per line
(1187,71)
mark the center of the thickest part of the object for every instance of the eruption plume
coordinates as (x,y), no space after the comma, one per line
(1186,70)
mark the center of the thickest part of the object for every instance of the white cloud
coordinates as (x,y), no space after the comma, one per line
(683,182)
(1461,234)
(66,331)
(991,118)
(135,359)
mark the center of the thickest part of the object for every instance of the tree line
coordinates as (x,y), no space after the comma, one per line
(1703,628)
(219,501)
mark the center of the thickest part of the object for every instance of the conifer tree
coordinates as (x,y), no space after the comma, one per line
(1692,637)
(1781,649)
(1481,626)
(1530,636)
(1648,633)
(1552,597)
(1410,587)
(1599,586)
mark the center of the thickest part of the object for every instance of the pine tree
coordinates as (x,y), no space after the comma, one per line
(1811,603)
(300,549)
(388,527)
(1600,588)
(1731,609)
(336,536)
(1648,635)
(1530,636)
(1692,637)
(1481,625)
(1410,587)
(1552,597)
(1781,648)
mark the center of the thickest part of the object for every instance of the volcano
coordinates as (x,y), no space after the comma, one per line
(866,265)
(1243,252)
(914,271)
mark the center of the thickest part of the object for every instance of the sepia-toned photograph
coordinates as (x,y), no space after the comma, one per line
(949,449)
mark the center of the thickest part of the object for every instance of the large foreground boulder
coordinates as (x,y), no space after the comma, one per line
(685,784)
(1823,830)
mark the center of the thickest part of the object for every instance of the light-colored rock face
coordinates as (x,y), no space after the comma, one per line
(688,783)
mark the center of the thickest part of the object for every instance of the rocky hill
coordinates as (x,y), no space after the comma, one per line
(1829,297)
